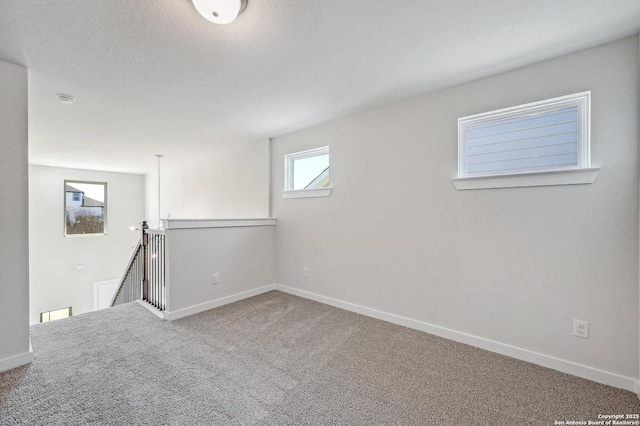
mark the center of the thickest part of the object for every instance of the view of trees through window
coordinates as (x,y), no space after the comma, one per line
(84,207)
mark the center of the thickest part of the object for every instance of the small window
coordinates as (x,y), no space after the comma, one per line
(85,208)
(55,315)
(545,136)
(307,173)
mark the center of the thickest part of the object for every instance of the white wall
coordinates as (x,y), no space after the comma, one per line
(231,183)
(243,258)
(14,231)
(55,281)
(511,265)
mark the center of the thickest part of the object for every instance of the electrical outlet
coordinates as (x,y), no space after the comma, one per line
(306,272)
(581,328)
(215,279)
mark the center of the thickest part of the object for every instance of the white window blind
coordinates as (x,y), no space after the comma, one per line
(542,136)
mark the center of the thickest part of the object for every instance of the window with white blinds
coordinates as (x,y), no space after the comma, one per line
(549,135)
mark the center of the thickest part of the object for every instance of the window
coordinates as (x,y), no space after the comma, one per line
(55,315)
(307,173)
(85,208)
(546,136)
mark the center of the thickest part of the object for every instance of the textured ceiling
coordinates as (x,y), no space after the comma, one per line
(153,76)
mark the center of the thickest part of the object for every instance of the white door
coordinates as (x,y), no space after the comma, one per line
(103,292)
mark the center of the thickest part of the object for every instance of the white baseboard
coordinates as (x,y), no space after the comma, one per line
(195,309)
(586,372)
(579,370)
(148,306)
(16,360)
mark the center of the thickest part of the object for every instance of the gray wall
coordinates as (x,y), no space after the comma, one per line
(232,183)
(14,232)
(243,257)
(514,266)
(55,281)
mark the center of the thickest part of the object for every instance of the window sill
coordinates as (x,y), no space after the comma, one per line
(173,224)
(307,193)
(558,177)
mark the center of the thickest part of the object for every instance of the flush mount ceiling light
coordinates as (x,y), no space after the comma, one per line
(220,11)
(66,99)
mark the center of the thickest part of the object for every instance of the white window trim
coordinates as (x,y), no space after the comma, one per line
(104,211)
(547,178)
(307,193)
(583,173)
(289,159)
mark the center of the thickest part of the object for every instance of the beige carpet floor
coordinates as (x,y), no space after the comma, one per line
(276,359)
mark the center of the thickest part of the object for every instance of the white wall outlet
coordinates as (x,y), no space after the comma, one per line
(215,279)
(581,328)
(306,272)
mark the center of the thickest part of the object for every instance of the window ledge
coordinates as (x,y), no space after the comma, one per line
(173,224)
(307,193)
(556,177)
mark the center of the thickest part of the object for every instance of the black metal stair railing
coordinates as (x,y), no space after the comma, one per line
(144,276)
(130,287)
(155,284)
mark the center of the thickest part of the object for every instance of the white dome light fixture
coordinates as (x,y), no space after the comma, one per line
(220,11)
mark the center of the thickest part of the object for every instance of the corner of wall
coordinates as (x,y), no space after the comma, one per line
(151,213)
(14,228)
(638,109)
(16,361)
